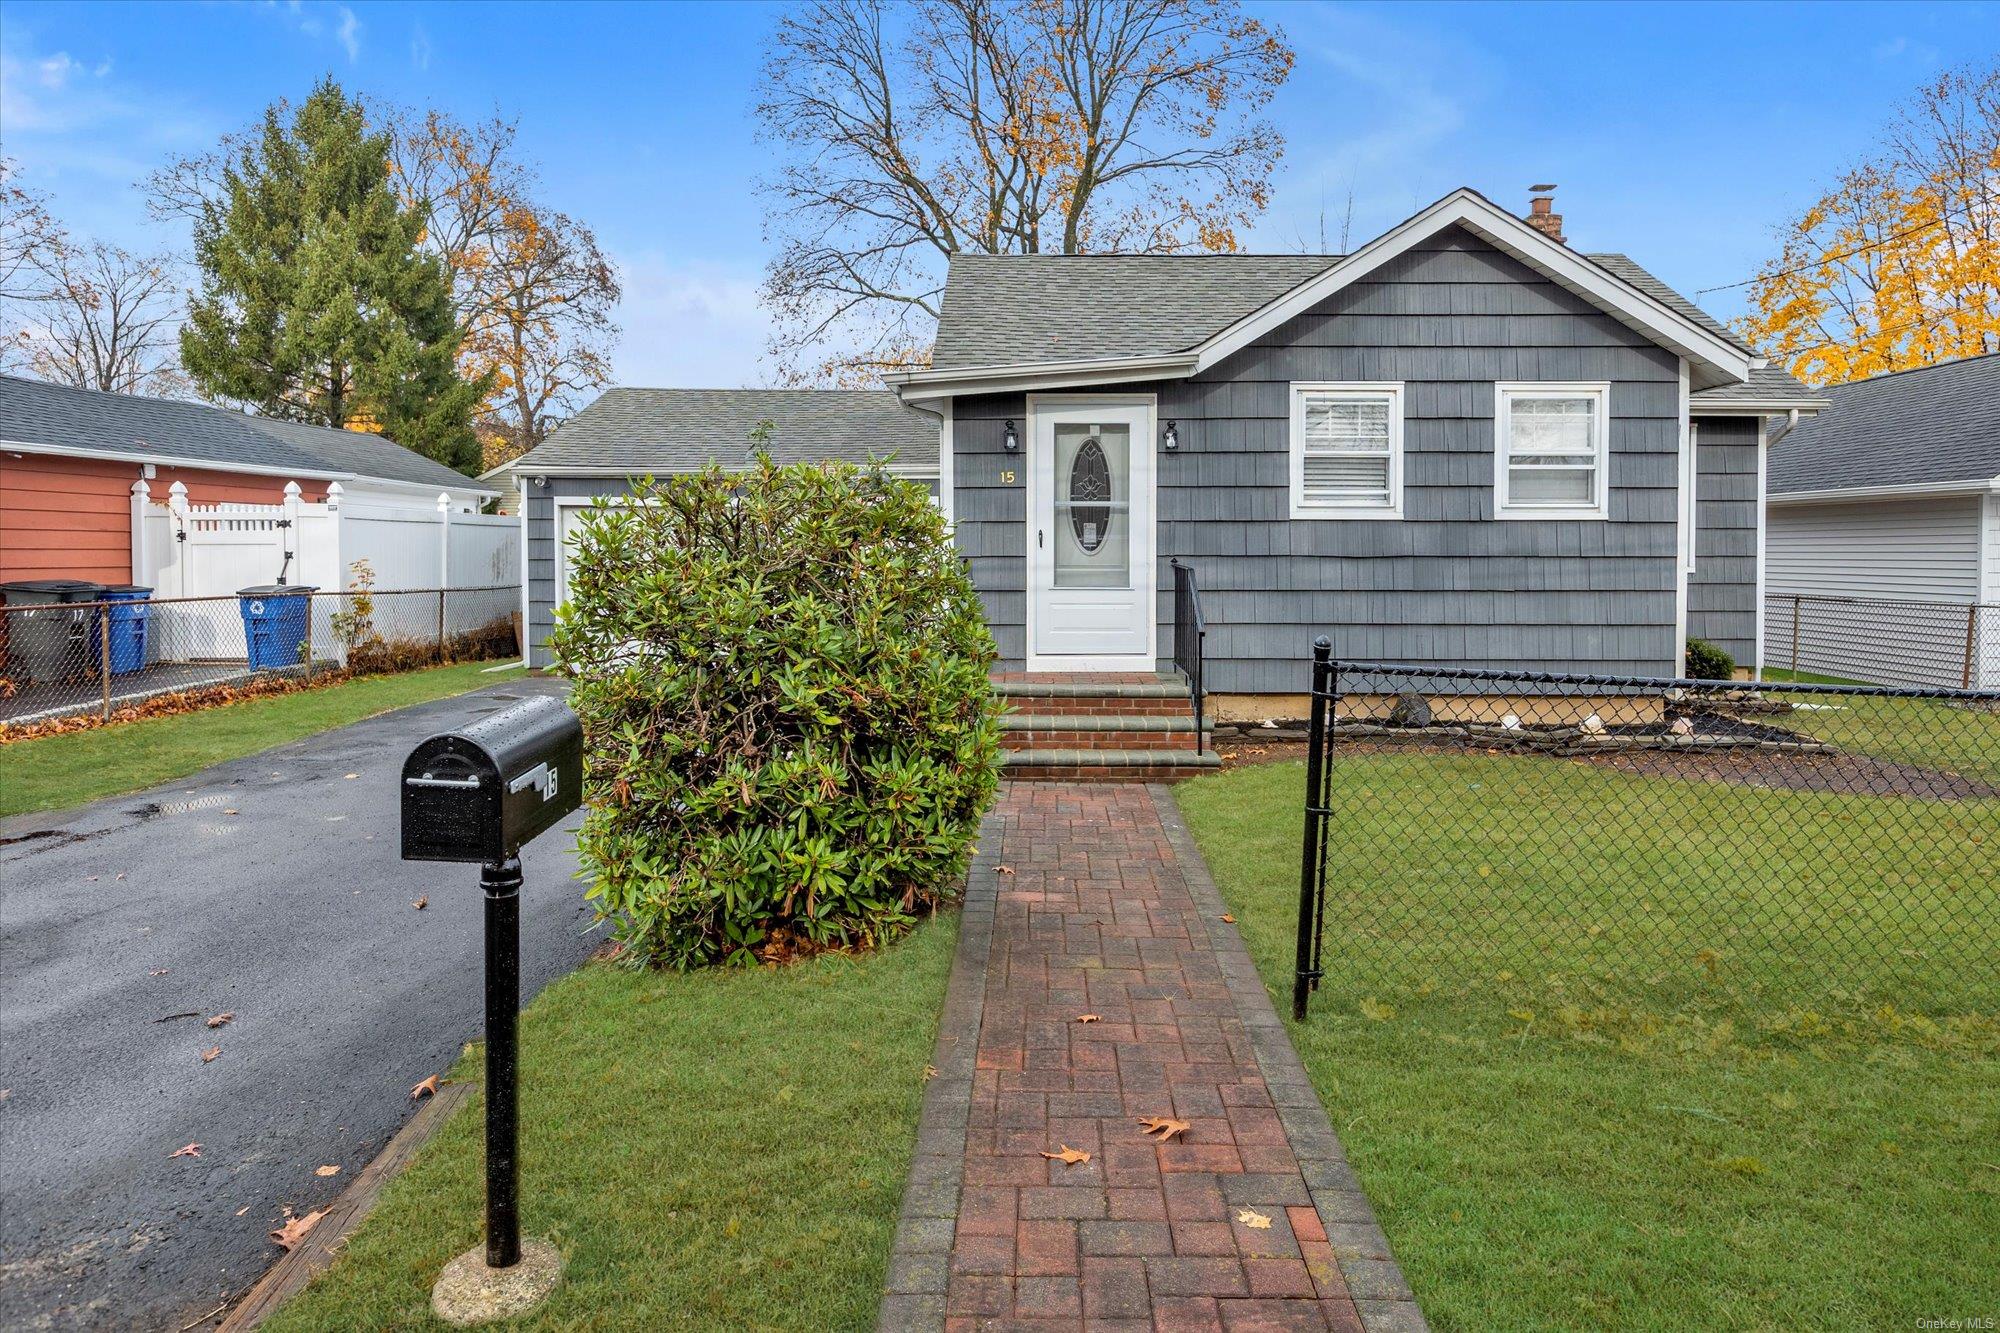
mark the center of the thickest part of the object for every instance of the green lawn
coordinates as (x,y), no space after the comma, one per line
(1597,1067)
(1957,737)
(708,1150)
(60,771)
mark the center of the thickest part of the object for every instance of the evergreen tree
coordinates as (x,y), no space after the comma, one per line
(316,303)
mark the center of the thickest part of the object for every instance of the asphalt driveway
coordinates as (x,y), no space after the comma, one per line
(270,888)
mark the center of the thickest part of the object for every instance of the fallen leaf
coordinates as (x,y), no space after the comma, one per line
(232,812)
(294,1230)
(1088,1018)
(1069,1156)
(427,1088)
(221,1018)
(327,1171)
(192,1150)
(210,1054)
(350,776)
(1003,870)
(1230,919)
(930,1072)
(244,1209)
(1255,1221)
(1163,1127)
(421,903)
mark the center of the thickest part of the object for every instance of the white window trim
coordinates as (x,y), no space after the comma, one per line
(1296,448)
(1599,510)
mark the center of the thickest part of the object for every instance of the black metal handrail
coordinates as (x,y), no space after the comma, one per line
(1189,631)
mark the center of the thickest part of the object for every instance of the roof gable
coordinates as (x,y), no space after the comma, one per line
(1157,315)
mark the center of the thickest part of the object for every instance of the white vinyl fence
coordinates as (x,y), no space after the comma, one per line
(184,550)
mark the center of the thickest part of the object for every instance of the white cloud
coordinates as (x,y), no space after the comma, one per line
(55,71)
(1403,100)
(420,48)
(349,32)
(689,325)
(313,21)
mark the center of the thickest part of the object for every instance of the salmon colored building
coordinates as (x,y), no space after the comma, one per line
(70,460)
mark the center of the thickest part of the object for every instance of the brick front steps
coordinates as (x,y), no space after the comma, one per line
(1103,729)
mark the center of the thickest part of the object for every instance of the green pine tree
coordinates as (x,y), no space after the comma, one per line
(316,303)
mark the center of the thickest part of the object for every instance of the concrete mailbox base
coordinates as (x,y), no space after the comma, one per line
(469,1292)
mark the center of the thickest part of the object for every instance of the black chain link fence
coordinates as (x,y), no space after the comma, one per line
(1618,845)
(64,656)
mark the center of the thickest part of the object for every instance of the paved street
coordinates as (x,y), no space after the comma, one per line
(269,888)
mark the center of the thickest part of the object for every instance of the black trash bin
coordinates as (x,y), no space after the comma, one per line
(47,641)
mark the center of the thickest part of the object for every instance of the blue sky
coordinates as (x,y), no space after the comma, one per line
(1680,134)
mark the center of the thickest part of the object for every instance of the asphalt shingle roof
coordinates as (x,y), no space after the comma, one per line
(1916,427)
(1768,384)
(35,412)
(1003,310)
(1014,309)
(635,431)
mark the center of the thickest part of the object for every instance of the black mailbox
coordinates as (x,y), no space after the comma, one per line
(479,794)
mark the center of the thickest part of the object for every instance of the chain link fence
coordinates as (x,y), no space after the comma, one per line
(1878,641)
(59,658)
(1586,849)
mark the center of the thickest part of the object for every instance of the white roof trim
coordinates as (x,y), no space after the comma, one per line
(914,384)
(1745,407)
(1928,488)
(1713,361)
(617,473)
(247,469)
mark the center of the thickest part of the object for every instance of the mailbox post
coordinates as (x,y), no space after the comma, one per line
(477,796)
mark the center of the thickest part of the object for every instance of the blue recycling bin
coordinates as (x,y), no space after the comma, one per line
(126,618)
(276,620)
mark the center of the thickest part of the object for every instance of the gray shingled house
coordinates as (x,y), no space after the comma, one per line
(1463,443)
(1883,530)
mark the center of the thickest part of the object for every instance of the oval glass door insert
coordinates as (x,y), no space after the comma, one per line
(1089,479)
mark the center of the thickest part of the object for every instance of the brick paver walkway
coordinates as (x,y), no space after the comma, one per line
(1092,900)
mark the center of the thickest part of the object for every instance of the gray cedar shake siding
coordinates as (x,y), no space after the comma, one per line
(1722,591)
(1444,585)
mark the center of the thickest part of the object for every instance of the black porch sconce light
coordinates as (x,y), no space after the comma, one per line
(1011,440)
(1173,437)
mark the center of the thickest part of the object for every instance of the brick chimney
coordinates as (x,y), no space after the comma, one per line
(1541,212)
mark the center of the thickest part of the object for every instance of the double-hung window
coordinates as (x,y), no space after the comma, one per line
(1347,450)
(1551,451)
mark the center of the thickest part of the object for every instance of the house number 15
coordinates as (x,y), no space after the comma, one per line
(1007,476)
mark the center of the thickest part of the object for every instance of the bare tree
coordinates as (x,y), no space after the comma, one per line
(546,328)
(27,234)
(105,319)
(998,127)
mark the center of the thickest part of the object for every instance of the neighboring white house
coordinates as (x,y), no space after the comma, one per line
(504,480)
(1883,537)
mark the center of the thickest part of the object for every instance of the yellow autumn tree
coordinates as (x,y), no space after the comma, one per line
(1898,265)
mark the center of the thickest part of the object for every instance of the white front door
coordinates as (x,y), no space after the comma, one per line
(1090,544)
